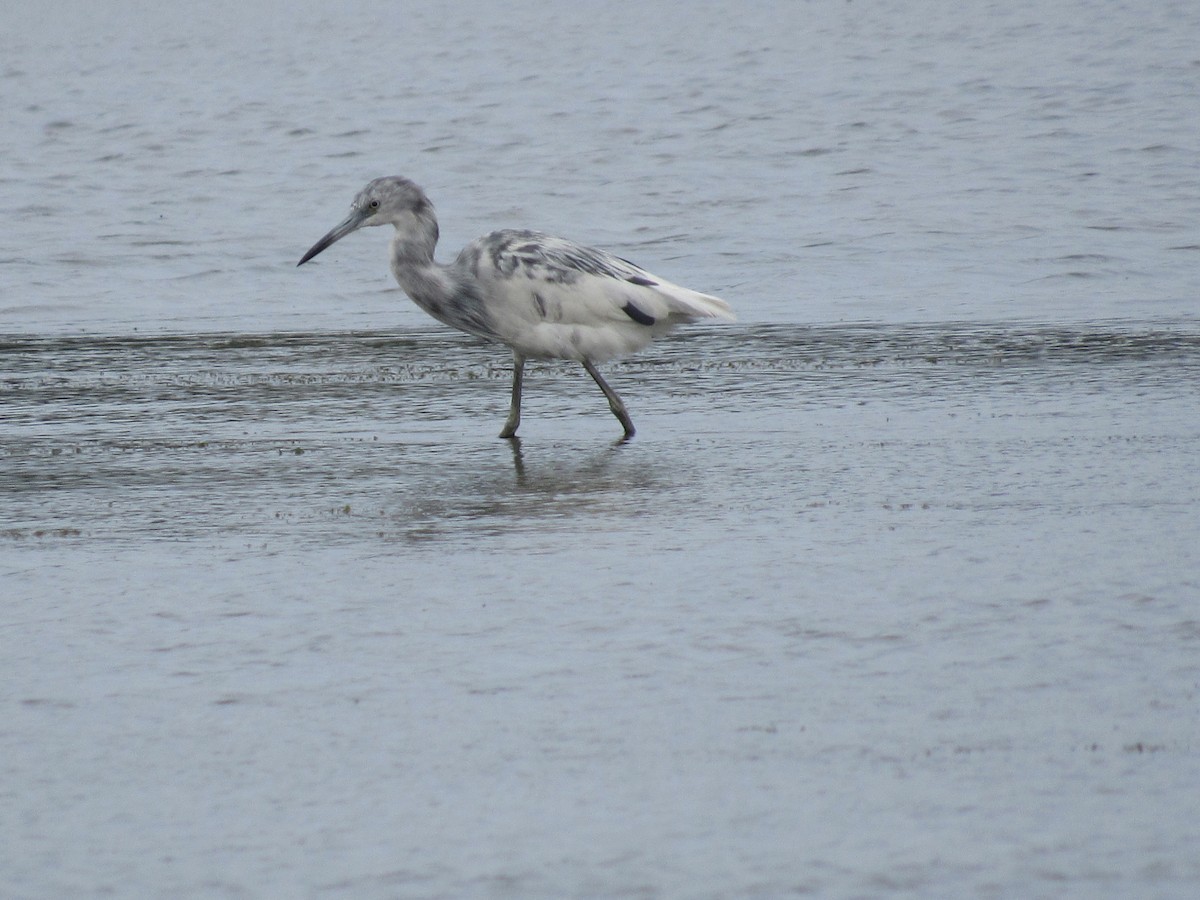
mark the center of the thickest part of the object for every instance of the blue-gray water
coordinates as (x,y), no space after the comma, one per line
(895,593)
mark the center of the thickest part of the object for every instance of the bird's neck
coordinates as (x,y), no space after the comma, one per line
(442,291)
(413,247)
(422,278)
(412,259)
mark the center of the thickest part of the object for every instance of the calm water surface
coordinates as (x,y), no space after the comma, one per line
(894,593)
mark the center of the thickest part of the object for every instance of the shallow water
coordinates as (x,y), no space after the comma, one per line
(870,609)
(893,594)
(362,424)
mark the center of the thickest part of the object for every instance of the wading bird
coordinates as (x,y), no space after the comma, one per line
(545,297)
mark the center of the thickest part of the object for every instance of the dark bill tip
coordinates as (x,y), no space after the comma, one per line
(316,248)
(351,223)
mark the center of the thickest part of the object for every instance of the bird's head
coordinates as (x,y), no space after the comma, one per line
(385,201)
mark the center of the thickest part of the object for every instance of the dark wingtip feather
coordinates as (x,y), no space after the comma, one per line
(642,318)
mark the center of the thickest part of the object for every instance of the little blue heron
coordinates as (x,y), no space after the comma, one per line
(545,297)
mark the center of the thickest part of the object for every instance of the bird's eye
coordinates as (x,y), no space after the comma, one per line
(374,204)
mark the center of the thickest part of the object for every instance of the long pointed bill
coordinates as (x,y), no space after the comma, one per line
(352,222)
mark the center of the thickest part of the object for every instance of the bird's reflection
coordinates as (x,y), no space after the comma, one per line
(599,460)
(556,480)
(518,459)
(548,487)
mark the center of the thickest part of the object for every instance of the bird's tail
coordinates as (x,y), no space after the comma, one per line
(691,304)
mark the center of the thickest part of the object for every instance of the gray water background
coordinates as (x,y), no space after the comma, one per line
(894,594)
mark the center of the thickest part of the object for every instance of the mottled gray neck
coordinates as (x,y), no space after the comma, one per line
(416,236)
(448,293)
(412,256)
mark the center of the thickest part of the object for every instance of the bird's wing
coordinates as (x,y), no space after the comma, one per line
(548,279)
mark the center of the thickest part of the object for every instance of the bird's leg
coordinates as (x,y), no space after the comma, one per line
(614,402)
(514,411)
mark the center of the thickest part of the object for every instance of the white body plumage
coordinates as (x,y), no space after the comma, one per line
(549,298)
